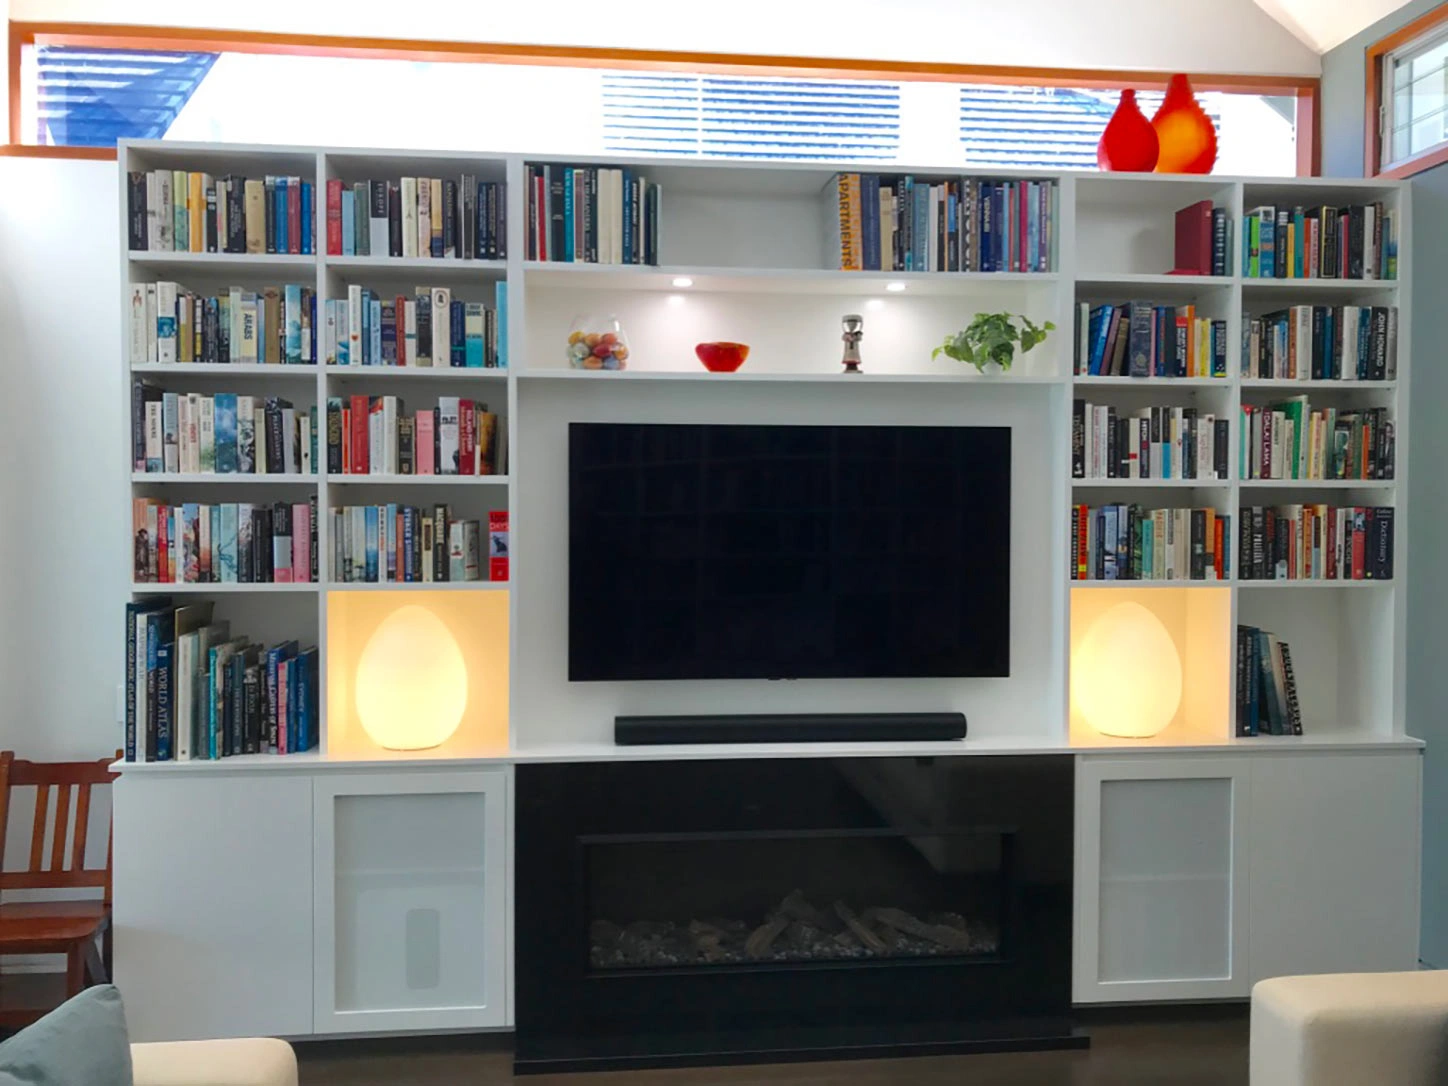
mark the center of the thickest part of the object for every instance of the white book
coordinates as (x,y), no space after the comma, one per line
(390,412)
(165,322)
(329,332)
(153,210)
(409,217)
(233,323)
(221,191)
(191,434)
(305,425)
(448,410)
(166,213)
(155,452)
(354,325)
(183,694)
(246,434)
(441,327)
(424,216)
(409,332)
(1302,315)
(289,440)
(170,432)
(152,348)
(183,432)
(250,333)
(138,323)
(259,424)
(206,435)
(615,221)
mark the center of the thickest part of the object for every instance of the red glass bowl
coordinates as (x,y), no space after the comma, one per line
(722,357)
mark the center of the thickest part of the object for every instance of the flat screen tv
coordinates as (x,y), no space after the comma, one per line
(788,552)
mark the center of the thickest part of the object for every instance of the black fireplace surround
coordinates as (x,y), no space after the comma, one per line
(697,912)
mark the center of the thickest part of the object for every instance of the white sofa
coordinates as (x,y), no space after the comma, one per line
(1351,1029)
(252,1061)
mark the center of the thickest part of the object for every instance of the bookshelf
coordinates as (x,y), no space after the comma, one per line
(743,257)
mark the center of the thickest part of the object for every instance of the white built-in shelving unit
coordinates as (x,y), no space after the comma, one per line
(278,910)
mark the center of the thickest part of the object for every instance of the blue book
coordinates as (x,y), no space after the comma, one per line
(983,228)
(473,323)
(457,348)
(293,674)
(279,216)
(1032,193)
(568,219)
(374,329)
(1108,543)
(1148,552)
(500,299)
(312,332)
(349,222)
(905,223)
(870,216)
(307,696)
(226,545)
(628,253)
(1139,346)
(1267,242)
(307,221)
(920,239)
(371,543)
(1226,520)
(1299,236)
(225,433)
(388,545)
(292,308)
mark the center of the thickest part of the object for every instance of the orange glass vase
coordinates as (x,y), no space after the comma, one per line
(1186,135)
(1129,143)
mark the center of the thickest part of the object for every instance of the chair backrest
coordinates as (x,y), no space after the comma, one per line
(65,867)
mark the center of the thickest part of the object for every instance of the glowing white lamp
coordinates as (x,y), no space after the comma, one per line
(412,683)
(1126,675)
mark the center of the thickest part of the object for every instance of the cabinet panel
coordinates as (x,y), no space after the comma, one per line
(411,901)
(213,905)
(1335,853)
(1161,879)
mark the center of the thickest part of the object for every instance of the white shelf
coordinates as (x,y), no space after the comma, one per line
(416,480)
(1112,280)
(230,369)
(419,373)
(1317,484)
(1153,382)
(241,261)
(1148,484)
(450,266)
(1303,583)
(866,378)
(560,276)
(233,479)
(1347,286)
(417,586)
(1181,582)
(1285,384)
(221,588)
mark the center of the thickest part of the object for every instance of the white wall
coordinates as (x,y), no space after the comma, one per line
(1178,35)
(62,428)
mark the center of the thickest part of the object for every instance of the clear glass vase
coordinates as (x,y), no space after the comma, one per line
(597,343)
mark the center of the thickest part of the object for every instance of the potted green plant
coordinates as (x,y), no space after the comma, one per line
(991,339)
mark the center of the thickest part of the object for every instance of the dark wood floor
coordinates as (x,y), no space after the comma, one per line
(1192,1049)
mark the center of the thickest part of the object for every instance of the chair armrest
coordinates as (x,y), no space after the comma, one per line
(252,1061)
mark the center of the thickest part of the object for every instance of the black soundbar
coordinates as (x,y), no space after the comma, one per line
(639,731)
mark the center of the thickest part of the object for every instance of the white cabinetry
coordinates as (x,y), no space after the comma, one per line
(213,904)
(411,900)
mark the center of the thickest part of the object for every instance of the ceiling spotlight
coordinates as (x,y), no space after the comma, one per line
(683,281)
(895,287)
(676,299)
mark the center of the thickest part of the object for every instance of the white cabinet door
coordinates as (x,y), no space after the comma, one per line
(1334,867)
(411,899)
(1161,889)
(213,904)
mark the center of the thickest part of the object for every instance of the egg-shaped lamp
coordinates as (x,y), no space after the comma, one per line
(412,682)
(1126,674)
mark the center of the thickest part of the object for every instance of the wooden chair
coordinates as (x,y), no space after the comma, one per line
(55,927)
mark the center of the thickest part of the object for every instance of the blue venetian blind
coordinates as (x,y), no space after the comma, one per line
(94,97)
(741,117)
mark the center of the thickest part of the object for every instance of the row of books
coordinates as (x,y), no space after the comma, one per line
(418,216)
(1132,543)
(1143,339)
(1203,241)
(226,543)
(189,212)
(193,691)
(877,222)
(428,328)
(225,433)
(406,544)
(1153,443)
(376,435)
(1355,242)
(592,215)
(1317,543)
(1289,440)
(274,325)
(1266,688)
(1323,343)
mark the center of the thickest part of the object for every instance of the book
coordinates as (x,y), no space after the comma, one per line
(1129,542)
(1194,240)
(1267,701)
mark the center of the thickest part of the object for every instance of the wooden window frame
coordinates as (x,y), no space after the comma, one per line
(1375,56)
(97,35)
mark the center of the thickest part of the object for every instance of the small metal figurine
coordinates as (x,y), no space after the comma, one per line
(854,326)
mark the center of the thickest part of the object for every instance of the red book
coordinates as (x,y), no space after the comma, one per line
(1194,240)
(334,217)
(281,706)
(1329,550)
(399,308)
(301,543)
(467,437)
(422,444)
(163,547)
(540,215)
(361,420)
(1220,542)
(1359,542)
(346,439)
(498,545)
(294,215)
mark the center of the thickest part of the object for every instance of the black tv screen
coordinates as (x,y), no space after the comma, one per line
(788,552)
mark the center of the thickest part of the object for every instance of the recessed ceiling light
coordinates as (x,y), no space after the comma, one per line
(683,281)
(895,287)
(676,299)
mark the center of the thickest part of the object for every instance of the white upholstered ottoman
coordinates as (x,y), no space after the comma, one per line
(1351,1029)
(251,1061)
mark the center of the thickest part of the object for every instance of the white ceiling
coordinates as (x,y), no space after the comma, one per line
(1325,24)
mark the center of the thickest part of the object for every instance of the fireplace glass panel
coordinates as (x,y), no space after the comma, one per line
(750,899)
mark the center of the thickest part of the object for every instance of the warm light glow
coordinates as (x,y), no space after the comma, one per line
(412,683)
(875,304)
(1126,675)
(683,281)
(895,287)
(676,299)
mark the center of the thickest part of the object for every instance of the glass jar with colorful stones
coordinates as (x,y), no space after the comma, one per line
(597,343)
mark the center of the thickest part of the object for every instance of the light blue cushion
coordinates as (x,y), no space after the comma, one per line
(80,1043)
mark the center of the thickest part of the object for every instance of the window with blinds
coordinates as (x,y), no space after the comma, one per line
(716,116)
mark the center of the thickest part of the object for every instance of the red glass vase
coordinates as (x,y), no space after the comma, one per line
(1186,135)
(1129,142)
